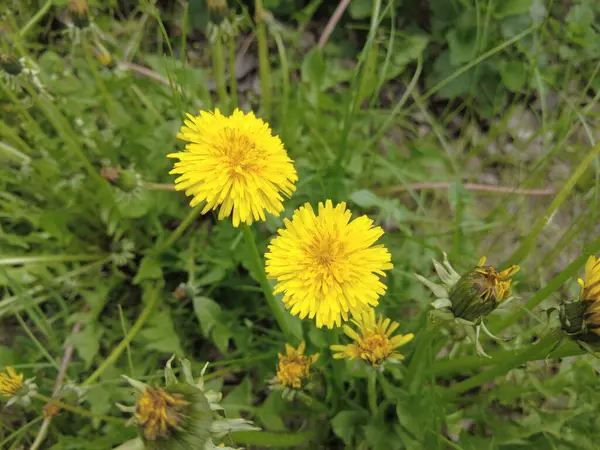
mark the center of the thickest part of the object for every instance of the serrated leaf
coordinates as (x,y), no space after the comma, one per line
(160,334)
(238,399)
(87,342)
(208,313)
(346,423)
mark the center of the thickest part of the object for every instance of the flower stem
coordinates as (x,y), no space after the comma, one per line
(219,70)
(137,326)
(232,74)
(180,229)
(372,391)
(259,269)
(78,410)
(510,361)
(263,59)
(36,18)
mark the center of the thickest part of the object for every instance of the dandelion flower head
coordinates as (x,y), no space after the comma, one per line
(234,164)
(327,265)
(373,342)
(10,382)
(590,293)
(294,367)
(493,283)
(158,411)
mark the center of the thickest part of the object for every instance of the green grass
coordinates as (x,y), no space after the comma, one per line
(399,99)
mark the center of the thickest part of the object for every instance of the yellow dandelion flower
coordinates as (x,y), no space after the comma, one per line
(590,286)
(373,342)
(326,265)
(10,382)
(235,164)
(294,367)
(158,411)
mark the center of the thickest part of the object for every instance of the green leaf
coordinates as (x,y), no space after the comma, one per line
(513,74)
(462,44)
(580,18)
(360,9)
(345,424)
(87,342)
(238,399)
(264,439)
(221,335)
(314,68)
(271,410)
(208,313)
(506,8)
(405,52)
(160,334)
(149,269)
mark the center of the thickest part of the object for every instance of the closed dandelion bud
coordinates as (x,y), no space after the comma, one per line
(581,318)
(467,299)
(10,65)
(178,417)
(104,57)
(478,292)
(126,180)
(79,13)
(217,10)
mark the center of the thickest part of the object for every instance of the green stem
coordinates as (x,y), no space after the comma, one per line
(219,71)
(78,410)
(36,259)
(418,360)
(35,19)
(195,212)
(510,361)
(268,439)
(259,269)
(527,243)
(448,367)
(232,74)
(137,326)
(263,59)
(372,391)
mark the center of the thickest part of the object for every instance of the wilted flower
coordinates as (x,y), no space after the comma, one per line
(234,164)
(467,299)
(581,319)
(293,369)
(327,265)
(373,342)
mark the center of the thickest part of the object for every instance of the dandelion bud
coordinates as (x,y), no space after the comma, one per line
(10,65)
(478,292)
(581,318)
(104,57)
(172,417)
(79,13)
(126,180)
(217,6)
(293,369)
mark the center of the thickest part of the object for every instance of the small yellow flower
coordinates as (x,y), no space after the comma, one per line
(327,265)
(79,12)
(374,342)
(158,411)
(294,367)
(235,164)
(10,382)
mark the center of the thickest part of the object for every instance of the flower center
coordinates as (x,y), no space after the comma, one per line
(157,411)
(292,370)
(11,383)
(492,283)
(375,346)
(239,150)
